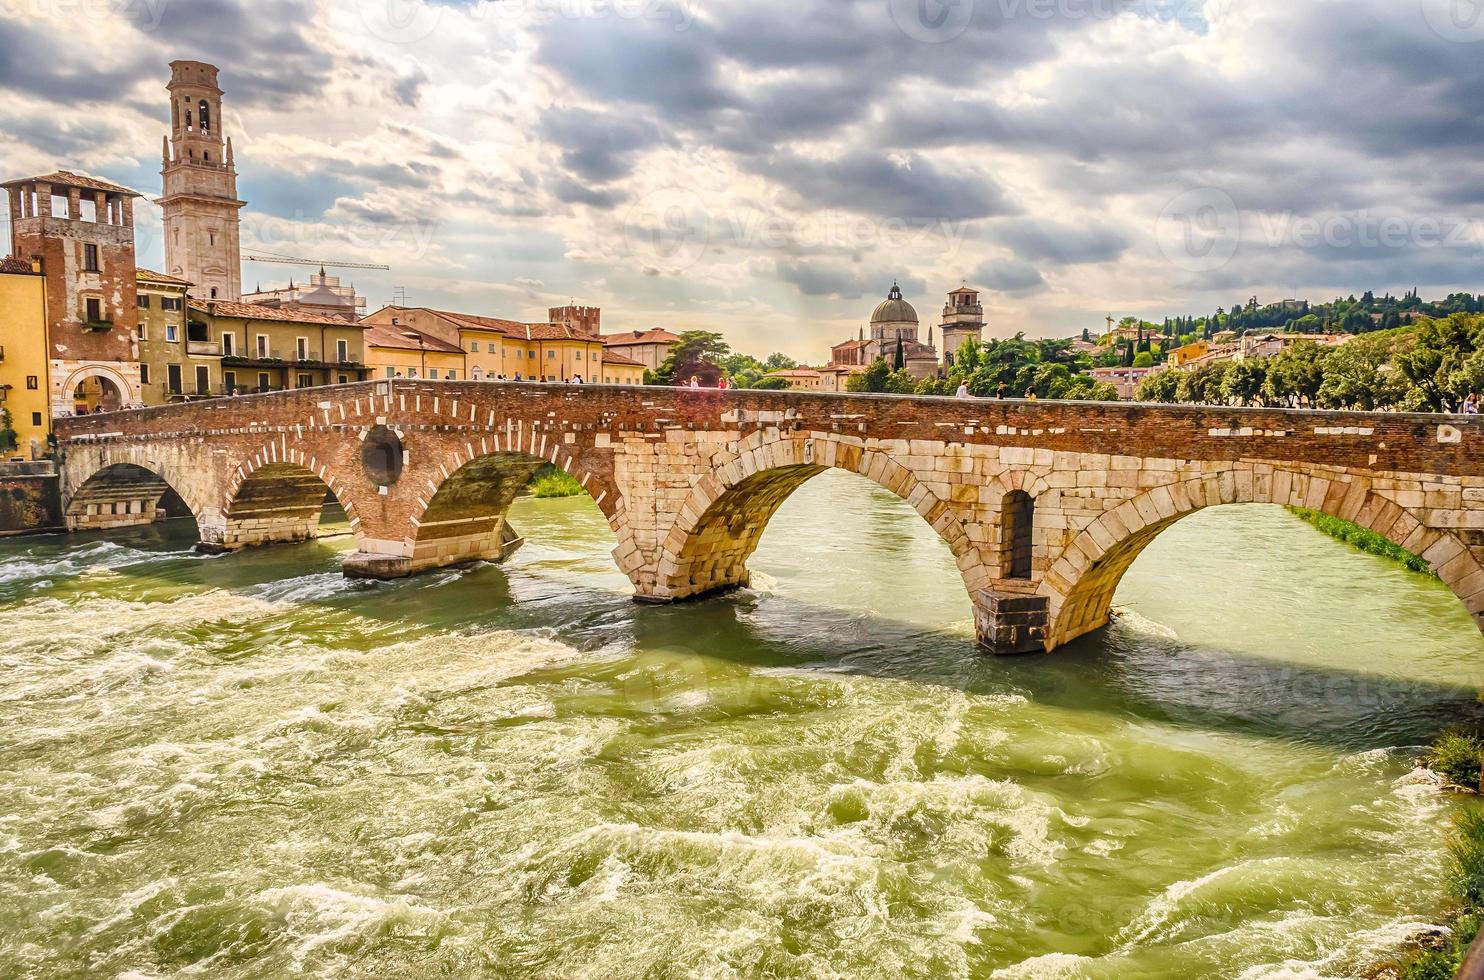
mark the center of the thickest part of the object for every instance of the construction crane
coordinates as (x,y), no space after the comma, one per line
(291,260)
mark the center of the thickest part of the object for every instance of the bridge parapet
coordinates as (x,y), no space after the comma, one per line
(1043,505)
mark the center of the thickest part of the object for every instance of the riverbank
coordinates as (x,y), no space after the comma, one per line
(1363,539)
(553,481)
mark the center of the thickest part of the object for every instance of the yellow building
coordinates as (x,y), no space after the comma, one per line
(401,352)
(1181,356)
(24,391)
(264,349)
(178,360)
(494,349)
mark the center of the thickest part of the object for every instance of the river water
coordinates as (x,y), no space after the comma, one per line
(246,766)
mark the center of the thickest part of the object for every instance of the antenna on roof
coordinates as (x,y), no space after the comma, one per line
(399,295)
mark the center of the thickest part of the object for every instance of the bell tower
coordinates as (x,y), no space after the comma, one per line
(202,227)
(963,319)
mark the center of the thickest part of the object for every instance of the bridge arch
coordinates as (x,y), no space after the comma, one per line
(277,495)
(1081,583)
(123,488)
(723,518)
(462,517)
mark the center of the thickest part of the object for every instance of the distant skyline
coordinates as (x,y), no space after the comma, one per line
(768,169)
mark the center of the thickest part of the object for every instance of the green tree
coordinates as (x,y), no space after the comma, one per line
(1143,359)
(1295,373)
(874,378)
(1246,382)
(772,384)
(697,352)
(9,439)
(1159,387)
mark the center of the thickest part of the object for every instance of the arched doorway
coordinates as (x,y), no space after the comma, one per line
(94,394)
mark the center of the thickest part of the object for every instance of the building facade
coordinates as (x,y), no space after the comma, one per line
(178,359)
(263,349)
(963,319)
(401,352)
(894,326)
(23,360)
(648,347)
(199,176)
(496,349)
(81,231)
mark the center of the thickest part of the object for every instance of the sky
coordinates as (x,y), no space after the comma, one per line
(768,169)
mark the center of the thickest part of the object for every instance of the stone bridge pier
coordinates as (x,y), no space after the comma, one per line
(1042,506)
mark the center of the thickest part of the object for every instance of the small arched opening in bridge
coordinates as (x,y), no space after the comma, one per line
(124,495)
(1083,581)
(1017,534)
(282,502)
(723,521)
(466,518)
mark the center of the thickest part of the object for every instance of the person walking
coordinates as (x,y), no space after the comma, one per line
(1030,394)
(721,382)
(999,391)
(1471,404)
(695,382)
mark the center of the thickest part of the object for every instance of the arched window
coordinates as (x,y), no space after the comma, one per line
(188,121)
(213,292)
(204,111)
(1017,524)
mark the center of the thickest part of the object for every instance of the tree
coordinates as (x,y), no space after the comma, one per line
(1295,373)
(1143,359)
(779,362)
(1247,380)
(9,439)
(772,384)
(901,360)
(702,352)
(873,379)
(1159,387)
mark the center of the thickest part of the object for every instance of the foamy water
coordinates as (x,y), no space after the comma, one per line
(250,767)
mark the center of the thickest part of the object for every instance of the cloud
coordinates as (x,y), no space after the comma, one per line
(1013,277)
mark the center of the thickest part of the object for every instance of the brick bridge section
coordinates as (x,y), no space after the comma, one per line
(1043,505)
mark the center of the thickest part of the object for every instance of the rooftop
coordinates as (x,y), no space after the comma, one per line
(159,278)
(386,336)
(10,265)
(251,311)
(654,335)
(66,178)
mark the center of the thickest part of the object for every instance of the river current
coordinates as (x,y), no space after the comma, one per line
(247,766)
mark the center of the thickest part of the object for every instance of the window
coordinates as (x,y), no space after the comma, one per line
(203,380)
(491,348)
(262,345)
(198,331)
(169,302)
(432,374)
(453,375)
(144,374)
(35,418)
(474,347)
(344,379)
(301,348)
(90,258)
(213,292)
(172,378)
(172,333)
(142,301)
(412,372)
(229,381)
(551,355)
(227,347)
(305,381)
(95,310)
(141,331)
(531,355)
(342,350)
(263,381)
(33,382)
(391,372)
(1017,525)
(204,113)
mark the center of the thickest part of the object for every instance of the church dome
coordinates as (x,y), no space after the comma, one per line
(894,309)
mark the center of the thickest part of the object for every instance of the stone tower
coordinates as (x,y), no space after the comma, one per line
(202,237)
(82,231)
(963,319)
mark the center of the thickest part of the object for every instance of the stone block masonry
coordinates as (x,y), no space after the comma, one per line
(1043,505)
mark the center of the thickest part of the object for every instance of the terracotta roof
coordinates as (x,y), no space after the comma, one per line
(10,265)
(611,358)
(850,345)
(251,311)
(654,335)
(395,338)
(159,278)
(793,373)
(66,178)
(481,322)
(550,331)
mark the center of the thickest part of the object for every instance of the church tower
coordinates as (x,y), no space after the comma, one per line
(202,237)
(963,319)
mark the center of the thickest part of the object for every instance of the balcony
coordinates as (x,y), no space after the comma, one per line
(203,348)
(98,326)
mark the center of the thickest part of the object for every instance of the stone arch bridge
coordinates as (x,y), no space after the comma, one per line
(1043,505)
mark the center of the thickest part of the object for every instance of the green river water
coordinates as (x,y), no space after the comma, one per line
(246,766)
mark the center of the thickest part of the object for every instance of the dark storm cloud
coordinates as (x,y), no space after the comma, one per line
(1012,276)
(911,188)
(572,192)
(262,46)
(1048,241)
(817,277)
(597,146)
(35,62)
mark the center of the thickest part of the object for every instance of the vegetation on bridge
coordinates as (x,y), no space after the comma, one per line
(553,481)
